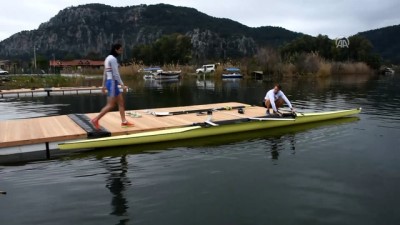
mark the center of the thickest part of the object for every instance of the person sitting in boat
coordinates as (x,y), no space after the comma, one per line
(275,98)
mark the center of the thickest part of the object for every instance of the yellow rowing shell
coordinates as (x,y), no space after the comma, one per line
(190,132)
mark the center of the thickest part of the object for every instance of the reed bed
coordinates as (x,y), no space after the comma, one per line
(35,81)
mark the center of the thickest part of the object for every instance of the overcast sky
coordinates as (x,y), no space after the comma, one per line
(339,18)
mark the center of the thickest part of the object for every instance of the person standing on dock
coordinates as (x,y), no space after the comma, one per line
(275,98)
(111,80)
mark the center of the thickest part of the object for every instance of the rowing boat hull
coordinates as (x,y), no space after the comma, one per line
(165,75)
(232,75)
(198,131)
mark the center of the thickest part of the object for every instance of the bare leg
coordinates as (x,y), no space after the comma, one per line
(111,101)
(268,105)
(279,103)
(121,107)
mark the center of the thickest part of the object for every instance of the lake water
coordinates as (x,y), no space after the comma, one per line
(344,171)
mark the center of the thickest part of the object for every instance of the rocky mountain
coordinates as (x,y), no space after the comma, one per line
(89,30)
(386,42)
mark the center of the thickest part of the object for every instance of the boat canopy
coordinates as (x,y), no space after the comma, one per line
(232,69)
(150,69)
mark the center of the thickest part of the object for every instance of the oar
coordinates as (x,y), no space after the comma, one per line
(242,119)
(194,111)
(263,118)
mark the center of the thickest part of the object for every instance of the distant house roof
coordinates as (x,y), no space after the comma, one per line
(76,62)
(4,62)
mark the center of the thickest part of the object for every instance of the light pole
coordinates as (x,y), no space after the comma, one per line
(34,57)
(54,64)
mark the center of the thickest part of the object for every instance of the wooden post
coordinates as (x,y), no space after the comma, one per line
(47,150)
(48,90)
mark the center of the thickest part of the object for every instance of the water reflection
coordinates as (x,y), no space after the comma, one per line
(275,148)
(205,84)
(277,144)
(161,84)
(231,83)
(316,186)
(117,182)
(12,109)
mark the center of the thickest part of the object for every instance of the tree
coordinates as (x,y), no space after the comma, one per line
(267,59)
(42,63)
(92,55)
(359,50)
(174,48)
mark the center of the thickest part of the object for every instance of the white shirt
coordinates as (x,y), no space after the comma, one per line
(272,97)
(111,70)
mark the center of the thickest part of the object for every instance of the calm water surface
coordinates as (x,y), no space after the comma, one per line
(344,171)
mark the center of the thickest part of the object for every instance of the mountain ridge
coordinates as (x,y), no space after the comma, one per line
(89,30)
(80,30)
(385,42)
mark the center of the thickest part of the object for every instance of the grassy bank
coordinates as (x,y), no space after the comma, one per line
(33,82)
(323,69)
(269,61)
(134,68)
(304,64)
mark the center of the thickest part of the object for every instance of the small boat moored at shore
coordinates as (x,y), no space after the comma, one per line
(388,71)
(232,72)
(149,72)
(164,75)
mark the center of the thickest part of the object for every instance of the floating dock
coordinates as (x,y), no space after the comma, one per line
(44,133)
(25,92)
(74,132)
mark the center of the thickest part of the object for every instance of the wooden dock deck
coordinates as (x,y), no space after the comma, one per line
(39,130)
(46,130)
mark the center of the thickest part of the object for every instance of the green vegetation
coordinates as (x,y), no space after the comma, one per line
(319,56)
(36,81)
(359,50)
(385,42)
(169,49)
